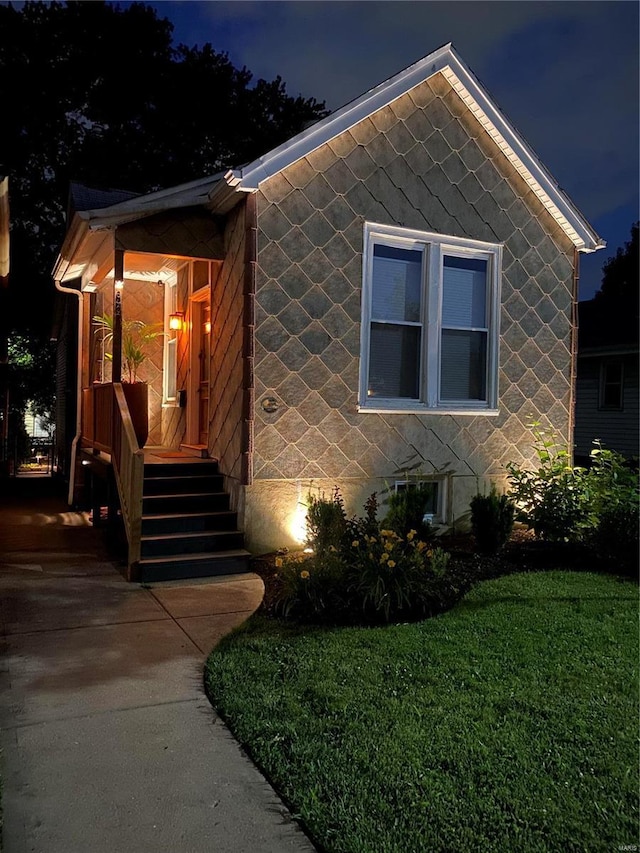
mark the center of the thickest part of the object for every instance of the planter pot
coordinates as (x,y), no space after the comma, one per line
(137,397)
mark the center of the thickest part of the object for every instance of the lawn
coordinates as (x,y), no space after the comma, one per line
(507,724)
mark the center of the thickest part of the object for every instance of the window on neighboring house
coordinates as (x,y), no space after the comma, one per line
(170,366)
(611,385)
(430,312)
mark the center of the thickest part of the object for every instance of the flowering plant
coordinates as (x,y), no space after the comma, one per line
(363,571)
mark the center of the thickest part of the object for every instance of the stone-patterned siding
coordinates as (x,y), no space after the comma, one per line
(422,162)
(226,394)
(194,235)
(144,301)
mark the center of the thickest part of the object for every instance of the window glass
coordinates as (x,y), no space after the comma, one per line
(611,388)
(463,365)
(394,361)
(430,490)
(464,296)
(171,370)
(397,283)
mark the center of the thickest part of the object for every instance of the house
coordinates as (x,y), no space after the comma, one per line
(607,381)
(391,294)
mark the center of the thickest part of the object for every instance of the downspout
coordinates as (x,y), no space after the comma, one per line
(78,435)
(574,351)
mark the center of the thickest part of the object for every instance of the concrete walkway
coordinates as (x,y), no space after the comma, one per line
(109,744)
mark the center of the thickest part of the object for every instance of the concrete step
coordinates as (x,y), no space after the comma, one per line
(213,501)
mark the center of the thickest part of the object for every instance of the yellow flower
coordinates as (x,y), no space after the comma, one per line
(333,549)
(386,532)
(420,546)
(304,574)
(411,534)
(391,564)
(355,543)
(388,546)
(429,554)
(278,562)
(384,558)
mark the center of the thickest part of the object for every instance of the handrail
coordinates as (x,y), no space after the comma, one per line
(128,466)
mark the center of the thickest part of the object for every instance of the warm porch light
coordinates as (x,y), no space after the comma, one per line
(176,321)
(207,327)
(119,284)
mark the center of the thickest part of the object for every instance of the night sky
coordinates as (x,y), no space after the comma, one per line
(566,74)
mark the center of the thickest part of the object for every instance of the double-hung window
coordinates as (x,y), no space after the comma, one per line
(611,385)
(430,312)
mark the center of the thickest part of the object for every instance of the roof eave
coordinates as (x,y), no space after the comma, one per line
(467,86)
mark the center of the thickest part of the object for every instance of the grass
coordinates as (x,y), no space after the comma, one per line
(509,723)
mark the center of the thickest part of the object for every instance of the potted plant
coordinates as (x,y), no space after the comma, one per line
(136,336)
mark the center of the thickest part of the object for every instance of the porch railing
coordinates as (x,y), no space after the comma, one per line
(97,416)
(107,426)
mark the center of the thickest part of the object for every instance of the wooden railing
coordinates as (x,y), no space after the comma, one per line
(97,416)
(107,426)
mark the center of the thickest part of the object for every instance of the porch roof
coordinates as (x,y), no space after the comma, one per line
(92,228)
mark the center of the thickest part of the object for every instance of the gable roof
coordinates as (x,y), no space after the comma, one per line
(221,192)
(446,61)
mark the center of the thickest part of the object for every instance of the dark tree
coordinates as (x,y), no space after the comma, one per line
(100,95)
(617,302)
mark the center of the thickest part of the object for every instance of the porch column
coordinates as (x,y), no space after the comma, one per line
(118,285)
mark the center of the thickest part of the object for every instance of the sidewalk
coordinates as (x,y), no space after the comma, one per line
(109,744)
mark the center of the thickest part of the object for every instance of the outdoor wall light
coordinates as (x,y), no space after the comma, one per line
(207,327)
(119,284)
(176,321)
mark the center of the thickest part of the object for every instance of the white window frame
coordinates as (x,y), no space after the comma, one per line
(442,483)
(169,367)
(434,247)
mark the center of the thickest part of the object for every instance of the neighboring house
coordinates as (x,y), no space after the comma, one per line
(391,291)
(607,381)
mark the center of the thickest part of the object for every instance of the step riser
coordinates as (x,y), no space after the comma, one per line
(207,542)
(182,485)
(218,502)
(190,524)
(185,569)
(181,469)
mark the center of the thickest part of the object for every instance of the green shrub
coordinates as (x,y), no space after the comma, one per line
(597,507)
(553,500)
(406,510)
(326,521)
(492,518)
(615,493)
(365,572)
